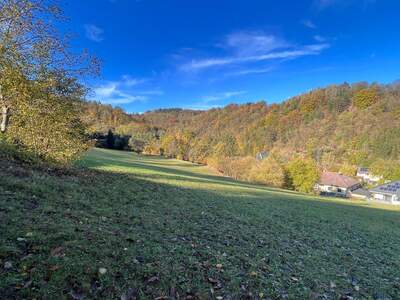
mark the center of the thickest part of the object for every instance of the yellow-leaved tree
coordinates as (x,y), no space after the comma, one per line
(40,96)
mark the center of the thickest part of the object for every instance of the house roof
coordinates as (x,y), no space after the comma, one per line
(336,179)
(391,188)
(362,170)
(361,192)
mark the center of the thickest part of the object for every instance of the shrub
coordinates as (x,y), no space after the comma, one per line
(303,174)
(364,98)
(269,171)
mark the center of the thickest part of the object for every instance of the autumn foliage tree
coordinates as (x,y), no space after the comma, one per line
(40,97)
(366,97)
(303,174)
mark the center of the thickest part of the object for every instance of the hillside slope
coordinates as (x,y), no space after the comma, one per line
(340,127)
(167,228)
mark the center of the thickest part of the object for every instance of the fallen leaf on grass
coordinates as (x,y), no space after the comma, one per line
(130,294)
(153,279)
(212,280)
(295,279)
(216,283)
(102,271)
(57,252)
(27,284)
(54,268)
(76,295)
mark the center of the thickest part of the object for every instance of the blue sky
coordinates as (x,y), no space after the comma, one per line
(209,53)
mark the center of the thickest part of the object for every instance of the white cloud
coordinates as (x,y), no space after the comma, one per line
(319,38)
(322,4)
(246,43)
(203,106)
(243,48)
(111,93)
(222,96)
(122,91)
(129,81)
(250,71)
(94,33)
(197,65)
(152,92)
(309,24)
(210,101)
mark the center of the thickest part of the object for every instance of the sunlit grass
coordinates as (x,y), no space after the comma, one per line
(168,228)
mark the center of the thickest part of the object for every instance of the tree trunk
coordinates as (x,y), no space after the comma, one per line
(4,118)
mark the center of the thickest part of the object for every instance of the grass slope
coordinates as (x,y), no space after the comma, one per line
(171,229)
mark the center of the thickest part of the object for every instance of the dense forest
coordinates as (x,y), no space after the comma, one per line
(337,128)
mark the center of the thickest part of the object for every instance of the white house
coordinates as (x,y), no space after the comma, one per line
(388,193)
(335,184)
(366,176)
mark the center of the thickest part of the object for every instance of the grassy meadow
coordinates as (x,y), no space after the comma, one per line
(123,226)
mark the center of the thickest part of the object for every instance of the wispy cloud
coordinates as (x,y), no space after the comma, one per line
(319,38)
(123,91)
(211,101)
(252,47)
(111,93)
(323,4)
(250,71)
(129,81)
(309,24)
(245,43)
(222,96)
(196,65)
(94,33)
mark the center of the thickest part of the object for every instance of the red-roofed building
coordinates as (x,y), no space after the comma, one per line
(335,184)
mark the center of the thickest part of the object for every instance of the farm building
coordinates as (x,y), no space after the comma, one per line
(388,193)
(366,175)
(337,185)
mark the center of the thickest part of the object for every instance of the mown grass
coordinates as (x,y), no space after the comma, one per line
(172,229)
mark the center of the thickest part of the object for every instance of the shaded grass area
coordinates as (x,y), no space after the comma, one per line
(171,229)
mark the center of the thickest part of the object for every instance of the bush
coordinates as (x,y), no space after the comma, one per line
(50,128)
(236,167)
(365,98)
(269,171)
(303,174)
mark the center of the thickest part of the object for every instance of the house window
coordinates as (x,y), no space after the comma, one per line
(339,190)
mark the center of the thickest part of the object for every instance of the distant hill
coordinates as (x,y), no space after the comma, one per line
(337,126)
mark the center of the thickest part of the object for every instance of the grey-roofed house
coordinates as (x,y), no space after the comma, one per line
(360,193)
(387,193)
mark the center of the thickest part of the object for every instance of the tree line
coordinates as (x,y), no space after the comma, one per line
(337,128)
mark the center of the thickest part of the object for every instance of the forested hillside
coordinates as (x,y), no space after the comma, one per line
(335,128)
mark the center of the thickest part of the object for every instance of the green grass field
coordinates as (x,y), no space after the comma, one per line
(123,226)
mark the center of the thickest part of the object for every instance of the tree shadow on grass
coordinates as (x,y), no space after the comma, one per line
(170,173)
(180,174)
(161,239)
